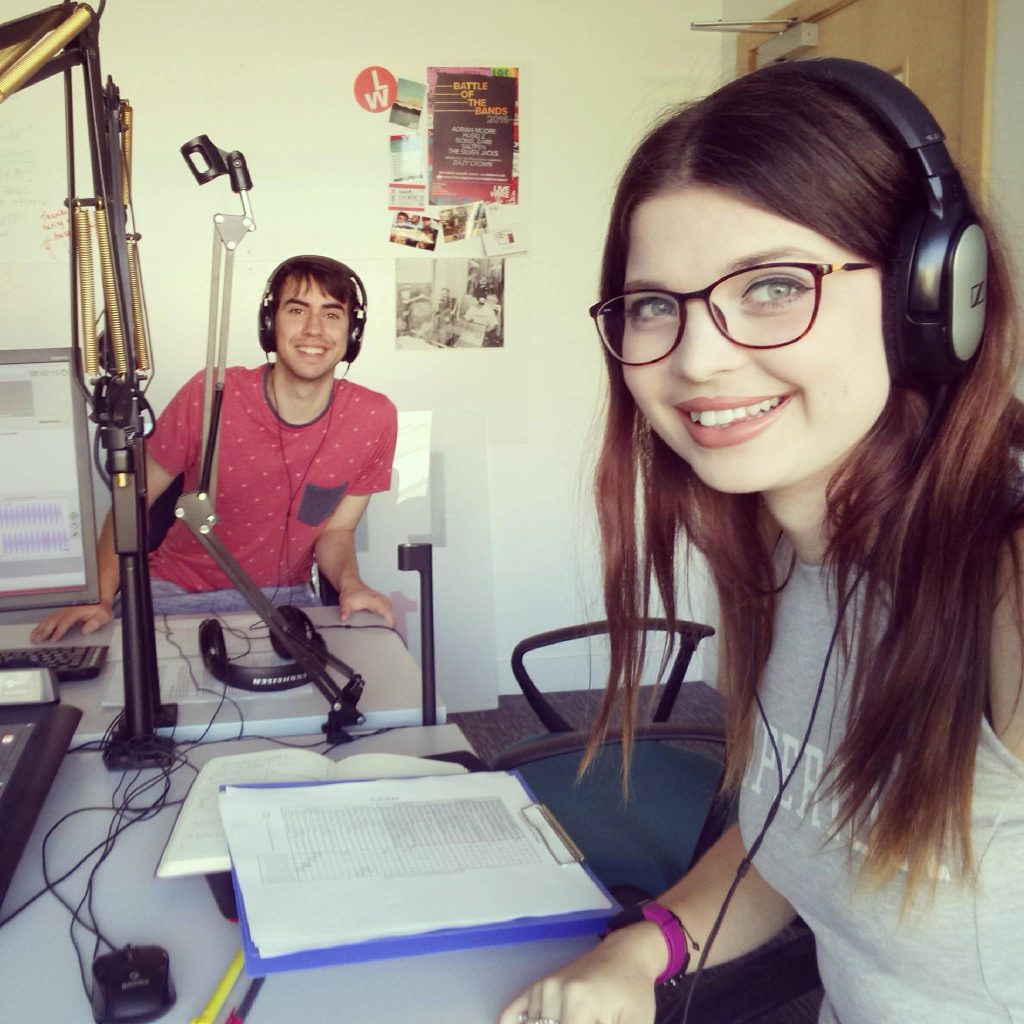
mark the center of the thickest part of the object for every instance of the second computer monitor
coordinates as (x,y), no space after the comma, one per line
(47,522)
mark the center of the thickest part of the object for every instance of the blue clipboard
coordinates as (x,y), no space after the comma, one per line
(498,933)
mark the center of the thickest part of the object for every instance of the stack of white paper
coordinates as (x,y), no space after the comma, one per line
(325,865)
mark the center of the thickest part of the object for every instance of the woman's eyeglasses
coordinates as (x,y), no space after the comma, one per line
(766,306)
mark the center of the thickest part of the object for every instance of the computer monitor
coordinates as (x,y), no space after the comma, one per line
(47,521)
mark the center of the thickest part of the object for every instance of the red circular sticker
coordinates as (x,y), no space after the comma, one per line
(375,89)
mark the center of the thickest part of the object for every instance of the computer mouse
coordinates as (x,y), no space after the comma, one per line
(132,985)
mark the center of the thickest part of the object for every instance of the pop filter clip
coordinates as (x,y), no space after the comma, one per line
(195,509)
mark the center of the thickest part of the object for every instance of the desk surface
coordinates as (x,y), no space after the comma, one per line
(393,695)
(39,974)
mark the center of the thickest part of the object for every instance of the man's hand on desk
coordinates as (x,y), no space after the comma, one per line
(359,597)
(88,617)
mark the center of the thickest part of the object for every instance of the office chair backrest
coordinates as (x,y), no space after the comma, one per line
(161,512)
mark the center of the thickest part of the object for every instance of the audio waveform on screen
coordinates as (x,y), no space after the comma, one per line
(35,528)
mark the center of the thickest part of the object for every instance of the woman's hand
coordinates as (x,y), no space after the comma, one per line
(608,985)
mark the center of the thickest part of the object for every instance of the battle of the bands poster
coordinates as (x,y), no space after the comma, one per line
(474,137)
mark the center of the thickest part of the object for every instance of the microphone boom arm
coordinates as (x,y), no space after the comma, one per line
(195,509)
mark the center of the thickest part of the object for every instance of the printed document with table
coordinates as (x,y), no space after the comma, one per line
(197,844)
(347,871)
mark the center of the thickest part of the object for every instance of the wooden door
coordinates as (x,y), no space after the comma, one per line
(942,49)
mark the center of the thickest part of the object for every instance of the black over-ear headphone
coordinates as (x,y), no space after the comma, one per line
(268,305)
(256,678)
(935,290)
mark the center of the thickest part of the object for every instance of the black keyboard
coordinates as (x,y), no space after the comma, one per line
(33,741)
(67,663)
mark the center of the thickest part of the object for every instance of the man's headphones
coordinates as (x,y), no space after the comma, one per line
(255,678)
(935,289)
(301,265)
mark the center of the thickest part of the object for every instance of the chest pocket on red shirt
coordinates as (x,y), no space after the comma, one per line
(318,503)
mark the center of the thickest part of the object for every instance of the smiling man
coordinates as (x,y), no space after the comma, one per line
(299,454)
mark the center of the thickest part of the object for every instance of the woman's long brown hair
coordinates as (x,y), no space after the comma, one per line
(930,521)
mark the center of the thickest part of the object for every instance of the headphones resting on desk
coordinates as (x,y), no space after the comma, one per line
(934,288)
(269,679)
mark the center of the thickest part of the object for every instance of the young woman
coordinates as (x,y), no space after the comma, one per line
(858,498)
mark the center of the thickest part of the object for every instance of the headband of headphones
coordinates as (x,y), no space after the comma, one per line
(258,679)
(935,287)
(301,265)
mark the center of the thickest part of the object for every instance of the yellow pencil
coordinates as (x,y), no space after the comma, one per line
(220,993)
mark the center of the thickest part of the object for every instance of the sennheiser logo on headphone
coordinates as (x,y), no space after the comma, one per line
(977,294)
(296,678)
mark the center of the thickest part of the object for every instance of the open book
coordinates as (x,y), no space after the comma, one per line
(197,845)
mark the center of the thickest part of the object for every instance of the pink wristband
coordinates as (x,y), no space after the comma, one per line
(674,936)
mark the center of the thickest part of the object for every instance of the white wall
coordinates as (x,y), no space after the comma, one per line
(514,429)
(1006,182)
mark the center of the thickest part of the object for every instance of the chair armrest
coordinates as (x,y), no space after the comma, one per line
(688,635)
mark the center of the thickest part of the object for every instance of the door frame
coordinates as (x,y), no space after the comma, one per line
(978,33)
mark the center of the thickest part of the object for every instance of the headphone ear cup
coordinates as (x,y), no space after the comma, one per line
(900,338)
(355,342)
(949,264)
(212,649)
(265,325)
(968,286)
(357,321)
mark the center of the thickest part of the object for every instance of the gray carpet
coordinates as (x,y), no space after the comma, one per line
(513,720)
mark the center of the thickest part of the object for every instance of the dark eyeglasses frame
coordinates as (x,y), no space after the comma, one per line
(817,271)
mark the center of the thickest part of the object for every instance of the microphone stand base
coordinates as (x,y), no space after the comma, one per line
(122,753)
(334,728)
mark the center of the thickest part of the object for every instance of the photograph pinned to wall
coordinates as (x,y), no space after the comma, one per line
(406,159)
(473,148)
(479,225)
(416,230)
(506,230)
(505,240)
(408,106)
(449,303)
(457,222)
(408,197)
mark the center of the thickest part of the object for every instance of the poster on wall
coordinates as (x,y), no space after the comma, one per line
(449,303)
(473,147)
